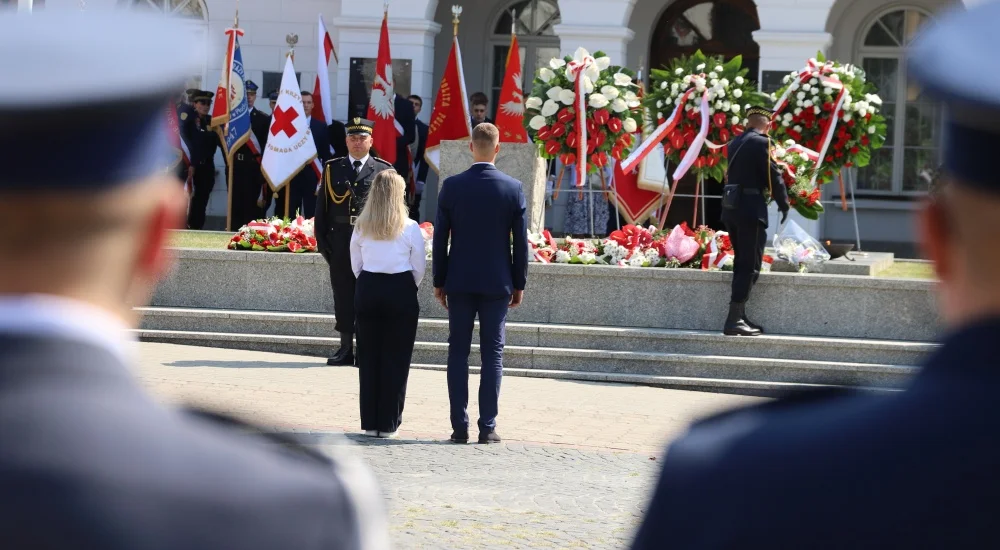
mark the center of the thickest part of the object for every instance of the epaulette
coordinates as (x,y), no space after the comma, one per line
(786,401)
(385,162)
(334,160)
(247,428)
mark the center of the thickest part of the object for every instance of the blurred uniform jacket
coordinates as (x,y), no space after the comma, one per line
(917,469)
(754,169)
(88,460)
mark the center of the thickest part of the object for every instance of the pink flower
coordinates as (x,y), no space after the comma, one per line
(681,247)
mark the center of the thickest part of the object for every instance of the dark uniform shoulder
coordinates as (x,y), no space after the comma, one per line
(381,162)
(337,160)
(231,423)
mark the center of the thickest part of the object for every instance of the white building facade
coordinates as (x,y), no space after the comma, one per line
(774,36)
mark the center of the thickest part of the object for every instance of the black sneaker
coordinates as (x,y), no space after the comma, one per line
(459,437)
(489,437)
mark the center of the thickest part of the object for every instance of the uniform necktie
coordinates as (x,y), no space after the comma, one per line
(357,166)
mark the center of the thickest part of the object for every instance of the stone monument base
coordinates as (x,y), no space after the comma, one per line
(518,160)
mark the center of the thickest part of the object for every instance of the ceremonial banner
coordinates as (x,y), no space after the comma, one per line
(322,104)
(290,146)
(236,130)
(510,115)
(381,106)
(450,119)
(635,203)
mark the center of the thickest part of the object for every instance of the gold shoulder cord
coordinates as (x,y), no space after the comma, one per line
(770,189)
(337,199)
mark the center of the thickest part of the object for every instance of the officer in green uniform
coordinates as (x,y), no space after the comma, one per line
(344,187)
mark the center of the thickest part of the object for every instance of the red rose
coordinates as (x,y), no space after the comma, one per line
(544,133)
(552,147)
(719,119)
(838,154)
(868,117)
(615,125)
(601,116)
(848,164)
(850,123)
(829,158)
(854,150)
(558,131)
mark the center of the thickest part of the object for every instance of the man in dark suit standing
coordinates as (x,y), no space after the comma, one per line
(305,185)
(419,164)
(204,143)
(89,459)
(406,119)
(915,469)
(480,210)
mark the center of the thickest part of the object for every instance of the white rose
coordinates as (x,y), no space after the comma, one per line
(687,80)
(562,257)
(724,82)
(806,87)
(567,97)
(546,75)
(637,260)
(550,108)
(554,92)
(787,116)
(713,74)
(718,105)
(800,96)
(679,72)
(726,105)
(871,129)
(659,104)
(862,113)
(739,80)
(736,120)
(714,82)
(537,122)
(674,87)
(808,103)
(663,85)
(827,91)
(622,79)
(700,67)
(797,111)
(779,152)
(630,125)
(533,103)
(721,93)
(784,123)
(786,80)
(814,81)
(588,257)
(815,91)
(557,63)
(797,128)
(736,107)
(737,93)
(603,63)
(719,69)
(659,116)
(677,101)
(847,117)
(598,101)
(803,155)
(816,110)
(794,86)
(610,92)
(618,105)
(789,142)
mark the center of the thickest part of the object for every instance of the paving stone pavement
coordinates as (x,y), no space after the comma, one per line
(574,471)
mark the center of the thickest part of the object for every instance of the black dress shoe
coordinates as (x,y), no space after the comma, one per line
(488,437)
(459,437)
(752,324)
(343,357)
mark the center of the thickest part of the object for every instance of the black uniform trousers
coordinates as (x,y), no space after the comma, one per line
(247,185)
(342,276)
(749,236)
(387,310)
(203,182)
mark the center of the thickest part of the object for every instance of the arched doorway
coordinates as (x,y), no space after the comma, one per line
(716,27)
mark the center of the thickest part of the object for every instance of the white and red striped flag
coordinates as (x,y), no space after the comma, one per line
(322,104)
(382,106)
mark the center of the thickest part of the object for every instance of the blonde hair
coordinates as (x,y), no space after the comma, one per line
(385,213)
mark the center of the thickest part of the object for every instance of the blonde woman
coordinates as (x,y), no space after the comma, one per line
(388,258)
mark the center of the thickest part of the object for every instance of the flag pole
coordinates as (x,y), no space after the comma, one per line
(291,40)
(456,11)
(229,160)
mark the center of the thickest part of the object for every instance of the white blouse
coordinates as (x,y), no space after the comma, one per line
(404,253)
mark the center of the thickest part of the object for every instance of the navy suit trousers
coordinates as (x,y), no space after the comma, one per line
(462,311)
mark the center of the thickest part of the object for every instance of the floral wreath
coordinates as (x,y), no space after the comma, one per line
(276,235)
(831,108)
(798,165)
(583,111)
(699,100)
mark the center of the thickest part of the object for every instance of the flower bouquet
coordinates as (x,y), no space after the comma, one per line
(583,111)
(792,244)
(831,108)
(720,253)
(276,235)
(427,228)
(798,166)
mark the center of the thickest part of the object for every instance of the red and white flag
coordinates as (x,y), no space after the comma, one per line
(510,116)
(322,104)
(450,119)
(220,105)
(290,146)
(381,107)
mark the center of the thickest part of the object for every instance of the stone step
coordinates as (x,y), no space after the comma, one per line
(674,365)
(579,337)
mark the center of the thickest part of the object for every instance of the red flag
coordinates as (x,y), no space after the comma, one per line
(450,119)
(510,116)
(322,104)
(224,91)
(381,108)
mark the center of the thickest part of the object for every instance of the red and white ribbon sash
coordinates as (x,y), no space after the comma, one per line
(575,69)
(695,150)
(657,137)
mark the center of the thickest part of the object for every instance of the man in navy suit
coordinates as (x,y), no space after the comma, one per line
(481,210)
(305,184)
(916,469)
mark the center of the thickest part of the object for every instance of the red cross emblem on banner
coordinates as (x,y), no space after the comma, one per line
(283,121)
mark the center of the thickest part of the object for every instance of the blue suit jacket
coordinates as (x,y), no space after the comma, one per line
(481,209)
(913,470)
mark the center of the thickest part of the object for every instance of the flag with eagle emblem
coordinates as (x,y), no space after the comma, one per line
(510,115)
(381,107)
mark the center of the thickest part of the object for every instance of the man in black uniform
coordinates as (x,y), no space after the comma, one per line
(88,459)
(344,187)
(753,180)
(248,179)
(915,469)
(204,143)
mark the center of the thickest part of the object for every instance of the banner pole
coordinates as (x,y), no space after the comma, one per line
(229,202)
(288,192)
